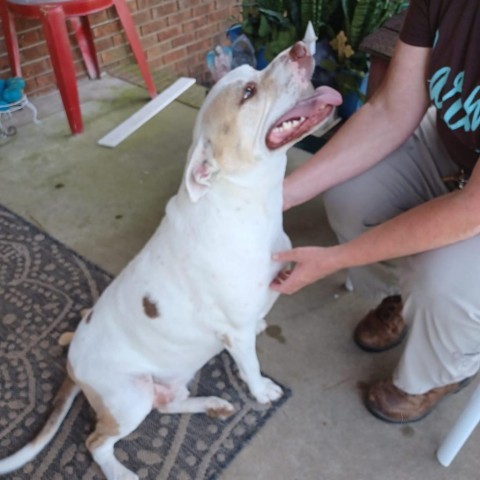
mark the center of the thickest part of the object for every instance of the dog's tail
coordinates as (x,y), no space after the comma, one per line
(61,405)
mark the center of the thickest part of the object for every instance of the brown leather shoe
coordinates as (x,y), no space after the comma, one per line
(390,404)
(382,328)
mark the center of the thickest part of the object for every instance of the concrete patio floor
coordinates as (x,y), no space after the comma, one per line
(105,203)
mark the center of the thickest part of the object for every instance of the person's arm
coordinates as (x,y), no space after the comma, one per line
(374,131)
(439,222)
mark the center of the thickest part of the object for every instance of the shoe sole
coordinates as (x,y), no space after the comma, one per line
(396,343)
(376,413)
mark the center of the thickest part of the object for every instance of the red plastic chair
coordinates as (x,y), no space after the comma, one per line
(53,15)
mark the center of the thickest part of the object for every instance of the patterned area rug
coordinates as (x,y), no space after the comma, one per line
(43,288)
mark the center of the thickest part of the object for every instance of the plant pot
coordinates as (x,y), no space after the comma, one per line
(234,31)
(322,77)
(262,62)
(352,101)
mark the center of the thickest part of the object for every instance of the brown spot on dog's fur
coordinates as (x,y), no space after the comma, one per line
(107,426)
(58,404)
(221,412)
(65,338)
(223,149)
(70,371)
(150,308)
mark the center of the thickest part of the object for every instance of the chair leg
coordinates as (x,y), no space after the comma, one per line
(83,33)
(11,41)
(132,36)
(463,428)
(56,35)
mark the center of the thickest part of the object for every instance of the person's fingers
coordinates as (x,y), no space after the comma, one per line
(286,282)
(286,256)
(282,275)
(286,287)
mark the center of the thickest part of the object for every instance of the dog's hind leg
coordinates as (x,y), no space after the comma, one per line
(122,406)
(181,402)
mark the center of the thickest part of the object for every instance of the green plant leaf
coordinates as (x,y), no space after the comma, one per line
(319,12)
(293,9)
(361,14)
(275,17)
(247,28)
(264,28)
(286,37)
(329,65)
(362,17)
(347,14)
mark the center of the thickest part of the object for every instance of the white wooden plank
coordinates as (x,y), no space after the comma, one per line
(134,122)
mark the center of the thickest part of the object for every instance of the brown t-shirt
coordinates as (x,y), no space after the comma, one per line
(452,29)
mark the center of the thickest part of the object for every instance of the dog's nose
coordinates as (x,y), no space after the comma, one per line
(298,51)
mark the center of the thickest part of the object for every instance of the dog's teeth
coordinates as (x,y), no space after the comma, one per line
(288,125)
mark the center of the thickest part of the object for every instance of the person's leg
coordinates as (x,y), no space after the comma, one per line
(442,304)
(409,176)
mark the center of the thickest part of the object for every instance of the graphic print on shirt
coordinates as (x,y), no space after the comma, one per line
(467,113)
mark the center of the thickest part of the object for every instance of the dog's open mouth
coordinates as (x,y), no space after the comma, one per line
(305,115)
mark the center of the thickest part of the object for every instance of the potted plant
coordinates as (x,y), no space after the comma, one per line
(347,26)
(269,28)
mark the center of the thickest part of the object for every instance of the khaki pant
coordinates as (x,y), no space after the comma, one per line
(440,288)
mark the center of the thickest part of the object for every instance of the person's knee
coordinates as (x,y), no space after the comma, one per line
(442,309)
(427,284)
(343,212)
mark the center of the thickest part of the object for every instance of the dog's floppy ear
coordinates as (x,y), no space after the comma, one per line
(200,171)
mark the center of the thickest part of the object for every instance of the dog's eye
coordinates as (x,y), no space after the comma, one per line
(249,91)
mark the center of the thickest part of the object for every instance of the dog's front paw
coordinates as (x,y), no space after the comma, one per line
(119,472)
(217,407)
(269,391)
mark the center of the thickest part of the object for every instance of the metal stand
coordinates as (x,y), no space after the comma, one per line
(6,112)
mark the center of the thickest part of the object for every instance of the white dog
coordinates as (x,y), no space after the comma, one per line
(201,283)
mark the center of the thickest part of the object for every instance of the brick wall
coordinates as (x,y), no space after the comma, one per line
(175,35)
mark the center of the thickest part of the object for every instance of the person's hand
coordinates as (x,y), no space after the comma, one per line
(310,264)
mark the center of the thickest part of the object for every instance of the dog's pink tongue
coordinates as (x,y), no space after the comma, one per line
(327,95)
(321,97)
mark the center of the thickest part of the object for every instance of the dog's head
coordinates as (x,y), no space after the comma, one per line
(250,115)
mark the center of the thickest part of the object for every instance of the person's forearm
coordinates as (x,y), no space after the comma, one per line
(361,143)
(379,127)
(437,223)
